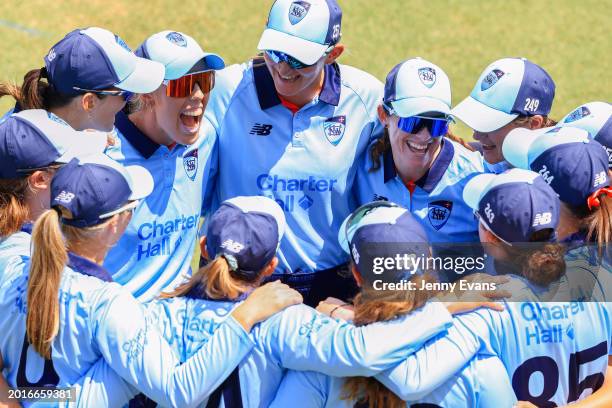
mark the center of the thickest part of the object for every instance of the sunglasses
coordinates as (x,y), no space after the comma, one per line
(353,222)
(183,86)
(128,207)
(414,124)
(127,95)
(279,57)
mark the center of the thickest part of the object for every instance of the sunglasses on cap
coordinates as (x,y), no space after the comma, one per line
(183,86)
(414,124)
(353,222)
(127,95)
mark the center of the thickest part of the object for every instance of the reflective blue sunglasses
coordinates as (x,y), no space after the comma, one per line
(414,124)
(279,57)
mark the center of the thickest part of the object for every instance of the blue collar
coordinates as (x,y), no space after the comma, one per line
(86,267)
(433,176)
(266,92)
(27,228)
(141,142)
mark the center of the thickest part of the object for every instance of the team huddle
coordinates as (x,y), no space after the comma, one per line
(313,180)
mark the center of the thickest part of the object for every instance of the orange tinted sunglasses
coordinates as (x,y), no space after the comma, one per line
(183,86)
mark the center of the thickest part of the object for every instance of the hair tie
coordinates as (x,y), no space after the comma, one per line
(593,200)
(43,73)
(231,261)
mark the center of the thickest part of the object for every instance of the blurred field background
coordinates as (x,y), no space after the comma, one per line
(571,39)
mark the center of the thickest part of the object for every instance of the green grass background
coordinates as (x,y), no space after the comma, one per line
(571,39)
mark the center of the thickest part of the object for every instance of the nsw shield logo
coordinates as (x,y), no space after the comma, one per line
(190,163)
(578,114)
(427,75)
(334,129)
(176,39)
(297,11)
(439,212)
(491,79)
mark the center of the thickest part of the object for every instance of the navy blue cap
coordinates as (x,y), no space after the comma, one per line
(92,189)
(33,139)
(574,165)
(246,231)
(379,230)
(96,59)
(513,205)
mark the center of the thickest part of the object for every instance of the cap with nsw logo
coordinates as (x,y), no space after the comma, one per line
(179,53)
(91,189)
(507,88)
(33,139)
(574,165)
(417,87)
(513,205)
(96,59)
(247,232)
(302,29)
(595,118)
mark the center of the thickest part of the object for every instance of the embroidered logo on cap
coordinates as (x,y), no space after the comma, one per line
(297,11)
(439,212)
(579,113)
(176,39)
(542,219)
(491,79)
(489,213)
(65,197)
(190,163)
(427,75)
(334,129)
(232,246)
(122,43)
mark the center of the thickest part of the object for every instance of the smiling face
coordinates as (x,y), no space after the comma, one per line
(293,83)
(491,142)
(180,118)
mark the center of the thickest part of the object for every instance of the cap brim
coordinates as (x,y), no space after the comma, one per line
(305,51)
(89,142)
(208,63)
(475,188)
(516,145)
(415,106)
(146,77)
(481,117)
(142,182)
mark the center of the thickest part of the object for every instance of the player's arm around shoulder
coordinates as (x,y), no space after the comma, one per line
(227,82)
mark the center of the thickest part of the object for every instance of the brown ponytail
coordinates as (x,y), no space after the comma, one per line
(599,222)
(49,257)
(13,208)
(216,280)
(379,306)
(379,148)
(35,93)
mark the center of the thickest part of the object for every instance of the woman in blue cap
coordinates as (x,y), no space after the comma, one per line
(78,323)
(161,132)
(415,164)
(510,93)
(291,125)
(87,78)
(244,235)
(554,352)
(382,230)
(576,167)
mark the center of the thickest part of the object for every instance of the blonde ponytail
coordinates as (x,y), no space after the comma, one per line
(599,222)
(49,257)
(214,279)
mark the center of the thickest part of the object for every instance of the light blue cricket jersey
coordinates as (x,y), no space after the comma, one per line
(15,252)
(306,162)
(102,321)
(297,338)
(155,252)
(554,352)
(437,200)
(482,383)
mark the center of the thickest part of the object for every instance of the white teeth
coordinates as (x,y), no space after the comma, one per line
(193,113)
(287,78)
(417,146)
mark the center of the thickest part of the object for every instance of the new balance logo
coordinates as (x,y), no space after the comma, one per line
(600,179)
(380,198)
(260,129)
(542,219)
(232,246)
(65,197)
